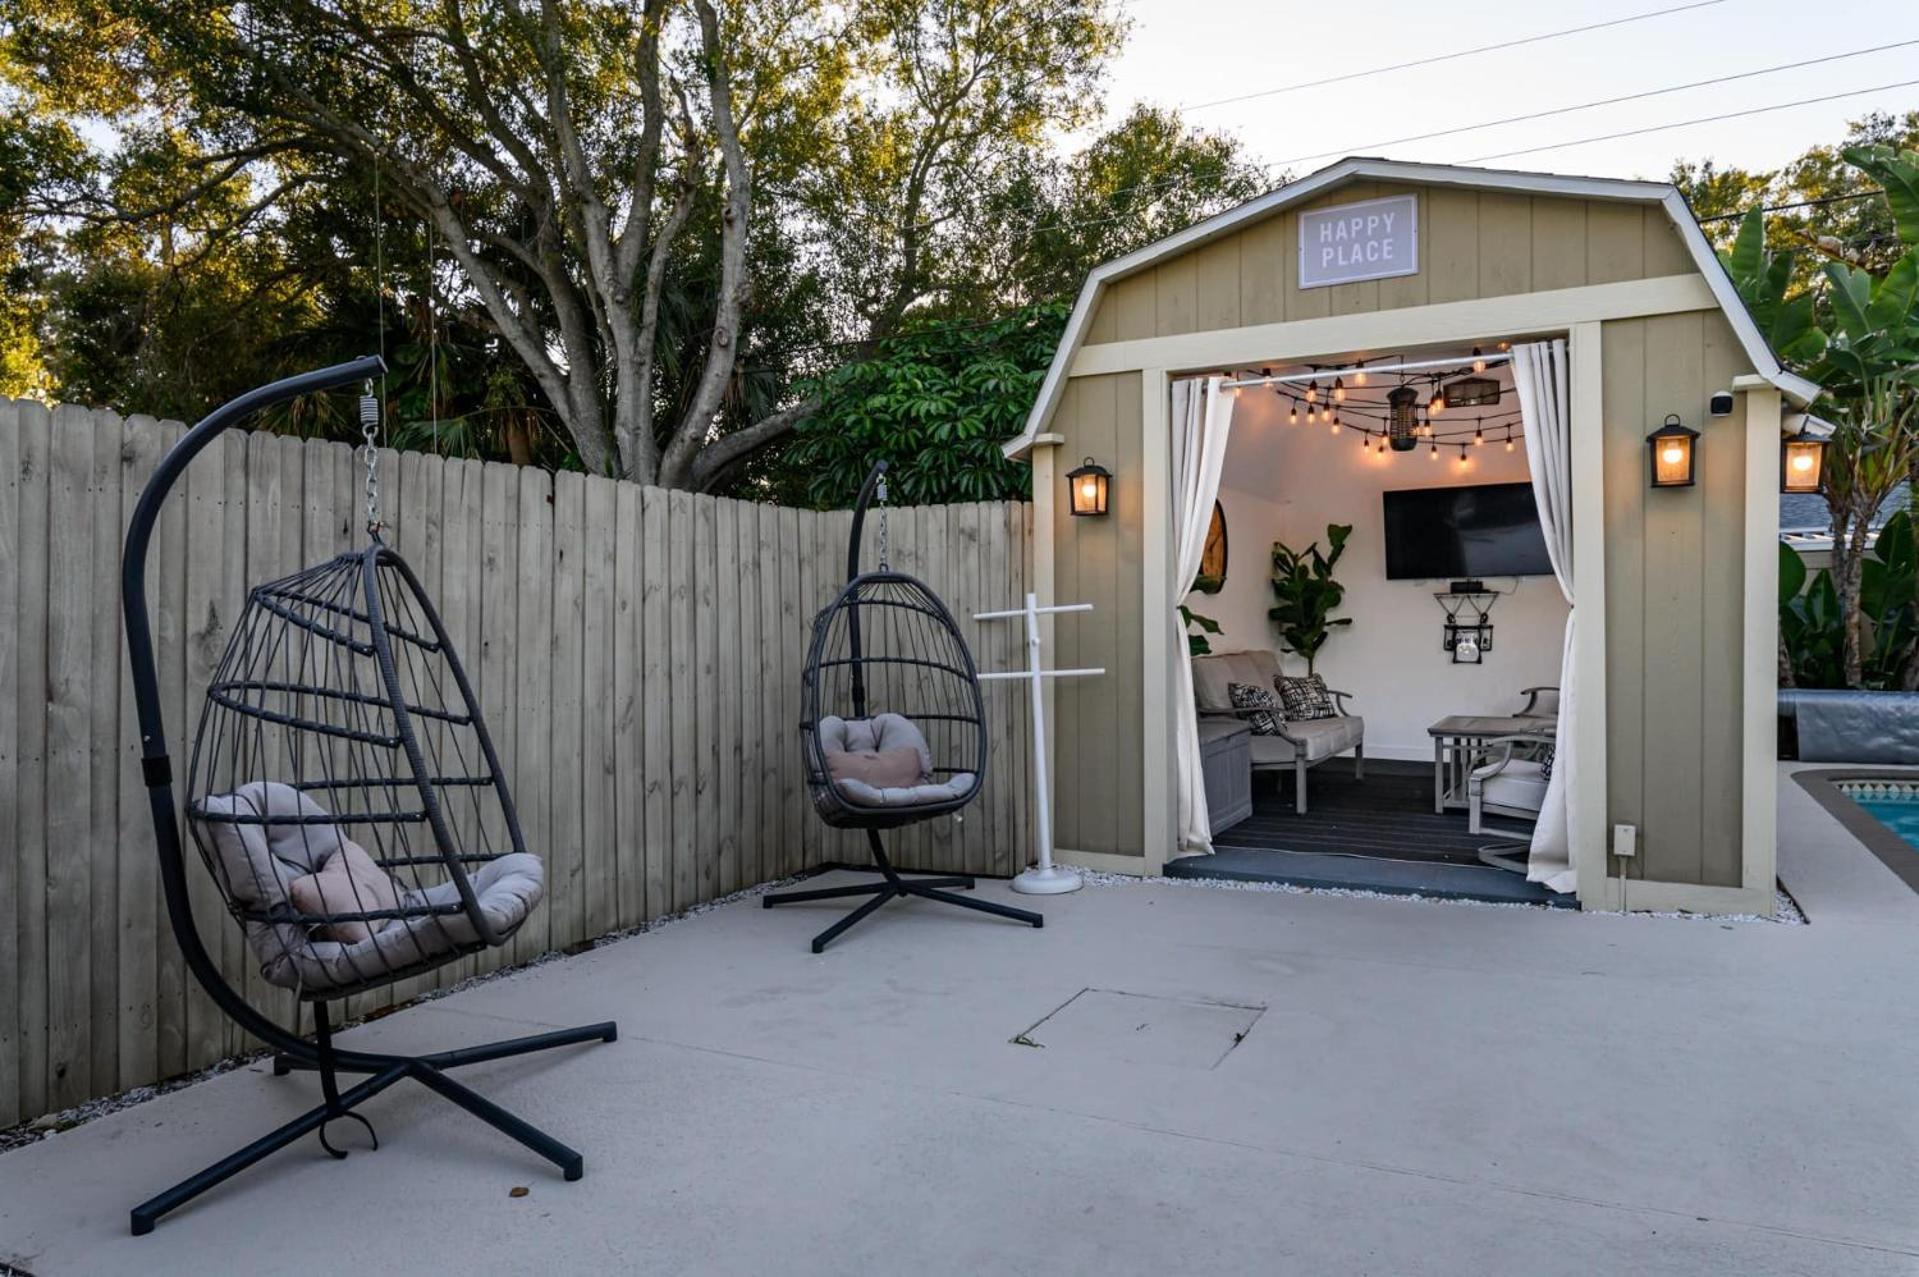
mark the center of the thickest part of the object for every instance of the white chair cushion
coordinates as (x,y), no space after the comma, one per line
(1520,786)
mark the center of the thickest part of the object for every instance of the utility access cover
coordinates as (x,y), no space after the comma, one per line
(1139,1028)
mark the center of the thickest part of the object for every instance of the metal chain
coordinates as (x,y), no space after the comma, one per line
(370,453)
(881,493)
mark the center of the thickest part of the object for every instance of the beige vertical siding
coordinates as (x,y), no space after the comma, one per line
(1100,725)
(637,653)
(1472,244)
(1674,567)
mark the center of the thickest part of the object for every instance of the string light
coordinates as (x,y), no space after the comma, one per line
(1335,421)
(1479,360)
(1312,392)
(1479,435)
(1434,455)
(1462,455)
(1359,377)
(1292,413)
(1339,390)
(1437,404)
(1509,439)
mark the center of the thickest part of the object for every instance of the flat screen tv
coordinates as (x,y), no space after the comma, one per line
(1485,530)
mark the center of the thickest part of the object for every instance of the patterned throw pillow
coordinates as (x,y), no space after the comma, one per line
(1305,698)
(1264,720)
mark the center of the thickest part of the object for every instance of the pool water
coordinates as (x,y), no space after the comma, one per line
(1897,812)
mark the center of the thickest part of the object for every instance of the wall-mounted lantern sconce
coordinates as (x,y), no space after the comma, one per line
(1672,449)
(1802,462)
(1088,486)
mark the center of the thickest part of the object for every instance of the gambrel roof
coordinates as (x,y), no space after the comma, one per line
(1794,387)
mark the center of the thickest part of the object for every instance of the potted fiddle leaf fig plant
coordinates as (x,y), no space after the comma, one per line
(1308,593)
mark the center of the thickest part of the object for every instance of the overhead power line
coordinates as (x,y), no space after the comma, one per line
(1787,208)
(1681,124)
(1360,149)
(1588,106)
(1448,57)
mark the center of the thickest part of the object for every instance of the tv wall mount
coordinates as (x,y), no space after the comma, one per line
(1468,634)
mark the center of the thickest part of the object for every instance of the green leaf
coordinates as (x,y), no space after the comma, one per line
(1897,172)
(1792,574)
(1895,296)
(1851,294)
(1747,259)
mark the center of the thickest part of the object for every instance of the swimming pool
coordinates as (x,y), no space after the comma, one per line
(1893,803)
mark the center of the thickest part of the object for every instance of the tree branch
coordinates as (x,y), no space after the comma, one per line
(727,449)
(693,428)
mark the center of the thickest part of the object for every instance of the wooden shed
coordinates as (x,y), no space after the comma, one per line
(1396,270)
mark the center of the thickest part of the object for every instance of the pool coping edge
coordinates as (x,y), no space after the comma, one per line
(1894,852)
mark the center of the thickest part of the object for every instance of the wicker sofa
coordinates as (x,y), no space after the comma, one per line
(1299,745)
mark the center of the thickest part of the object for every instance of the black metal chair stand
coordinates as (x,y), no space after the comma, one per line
(340,704)
(888,643)
(381,1072)
(893,887)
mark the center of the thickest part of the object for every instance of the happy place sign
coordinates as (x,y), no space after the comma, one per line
(1374,239)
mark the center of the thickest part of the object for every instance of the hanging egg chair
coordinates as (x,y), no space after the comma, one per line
(894,731)
(346,801)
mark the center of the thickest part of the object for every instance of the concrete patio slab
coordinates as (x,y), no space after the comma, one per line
(1433,1088)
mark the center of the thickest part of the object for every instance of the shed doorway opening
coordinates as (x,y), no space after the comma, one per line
(1386,539)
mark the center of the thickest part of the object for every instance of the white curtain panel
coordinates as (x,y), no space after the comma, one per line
(1202,420)
(1541,382)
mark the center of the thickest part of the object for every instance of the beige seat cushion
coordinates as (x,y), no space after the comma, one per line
(1319,739)
(880,768)
(349,882)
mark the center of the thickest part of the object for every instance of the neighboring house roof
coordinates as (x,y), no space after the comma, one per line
(1796,388)
(1805,521)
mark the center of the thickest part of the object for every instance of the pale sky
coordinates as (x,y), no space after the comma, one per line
(1188,52)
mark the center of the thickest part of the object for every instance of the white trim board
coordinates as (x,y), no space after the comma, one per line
(1725,297)
(1552,311)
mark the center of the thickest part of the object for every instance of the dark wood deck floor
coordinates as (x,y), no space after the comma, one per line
(1388,816)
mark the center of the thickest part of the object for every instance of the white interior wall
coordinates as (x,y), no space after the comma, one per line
(1287,482)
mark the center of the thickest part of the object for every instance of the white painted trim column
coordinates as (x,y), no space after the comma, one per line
(1156,531)
(1759,777)
(1587,826)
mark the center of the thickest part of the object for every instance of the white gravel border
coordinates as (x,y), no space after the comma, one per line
(1788,912)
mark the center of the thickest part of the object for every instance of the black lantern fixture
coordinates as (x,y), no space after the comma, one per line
(1671,453)
(1403,418)
(1802,462)
(1088,486)
(1471,392)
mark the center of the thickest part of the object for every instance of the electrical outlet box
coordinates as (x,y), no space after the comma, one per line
(1625,840)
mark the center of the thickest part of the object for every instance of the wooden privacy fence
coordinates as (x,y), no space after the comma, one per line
(637,653)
